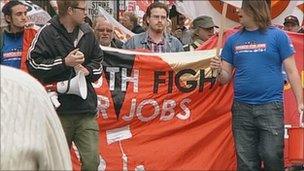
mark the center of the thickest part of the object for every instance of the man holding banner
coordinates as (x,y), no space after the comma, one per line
(63,47)
(257,53)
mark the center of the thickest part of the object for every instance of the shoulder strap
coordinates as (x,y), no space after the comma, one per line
(1,42)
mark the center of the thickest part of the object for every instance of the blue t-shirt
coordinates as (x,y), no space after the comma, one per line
(12,49)
(257,58)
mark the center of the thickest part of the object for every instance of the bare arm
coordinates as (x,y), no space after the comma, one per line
(225,69)
(295,81)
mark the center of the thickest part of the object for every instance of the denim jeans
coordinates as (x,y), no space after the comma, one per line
(84,131)
(259,136)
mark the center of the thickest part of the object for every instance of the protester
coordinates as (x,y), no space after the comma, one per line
(130,21)
(63,46)
(203,29)
(32,137)
(155,39)
(169,26)
(104,32)
(291,23)
(144,22)
(88,21)
(97,19)
(16,38)
(257,53)
(182,32)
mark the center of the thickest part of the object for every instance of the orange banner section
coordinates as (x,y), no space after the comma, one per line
(174,123)
(164,112)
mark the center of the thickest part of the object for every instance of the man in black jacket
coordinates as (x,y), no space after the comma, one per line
(63,46)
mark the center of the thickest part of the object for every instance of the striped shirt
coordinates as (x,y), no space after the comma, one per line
(156,47)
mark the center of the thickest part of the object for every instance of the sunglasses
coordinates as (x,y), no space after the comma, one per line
(105,30)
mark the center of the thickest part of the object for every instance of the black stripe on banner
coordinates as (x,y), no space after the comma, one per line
(115,59)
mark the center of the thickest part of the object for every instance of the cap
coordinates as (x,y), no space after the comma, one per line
(7,8)
(291,19)
(203,22)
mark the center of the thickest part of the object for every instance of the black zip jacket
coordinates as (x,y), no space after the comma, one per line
(46,62)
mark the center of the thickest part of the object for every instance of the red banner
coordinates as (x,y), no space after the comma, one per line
(291,114)
(165,112)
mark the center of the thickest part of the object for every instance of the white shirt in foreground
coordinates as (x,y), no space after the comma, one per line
(32,137)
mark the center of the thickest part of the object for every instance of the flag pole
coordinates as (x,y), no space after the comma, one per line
(220,36)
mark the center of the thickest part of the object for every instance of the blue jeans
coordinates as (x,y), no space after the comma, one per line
(259,136)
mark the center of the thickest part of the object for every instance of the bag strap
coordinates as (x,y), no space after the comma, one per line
(1,42)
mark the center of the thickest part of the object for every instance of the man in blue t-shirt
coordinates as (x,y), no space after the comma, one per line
(256,53)
(15,14)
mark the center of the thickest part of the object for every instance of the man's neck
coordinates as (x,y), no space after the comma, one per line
(156,36)
(67,23)
(252,27)
(13,29)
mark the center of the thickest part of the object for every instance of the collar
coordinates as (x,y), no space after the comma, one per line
(150,40)
(10,34)
(146,38)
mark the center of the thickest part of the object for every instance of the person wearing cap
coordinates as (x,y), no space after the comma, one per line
(15,39)
(291,23)
(203,29)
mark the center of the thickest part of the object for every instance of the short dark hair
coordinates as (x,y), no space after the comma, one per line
(7,8)
(157,5)
(64,5)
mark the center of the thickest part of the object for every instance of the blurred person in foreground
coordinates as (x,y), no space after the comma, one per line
(104,32)
(256,54)
(291,23)
(155,39)
(32,137)
(203,29)
(64,47)
(15,39)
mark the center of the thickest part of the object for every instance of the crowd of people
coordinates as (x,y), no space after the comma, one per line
(66,45)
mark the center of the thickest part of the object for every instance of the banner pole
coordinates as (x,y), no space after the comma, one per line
(220,37)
